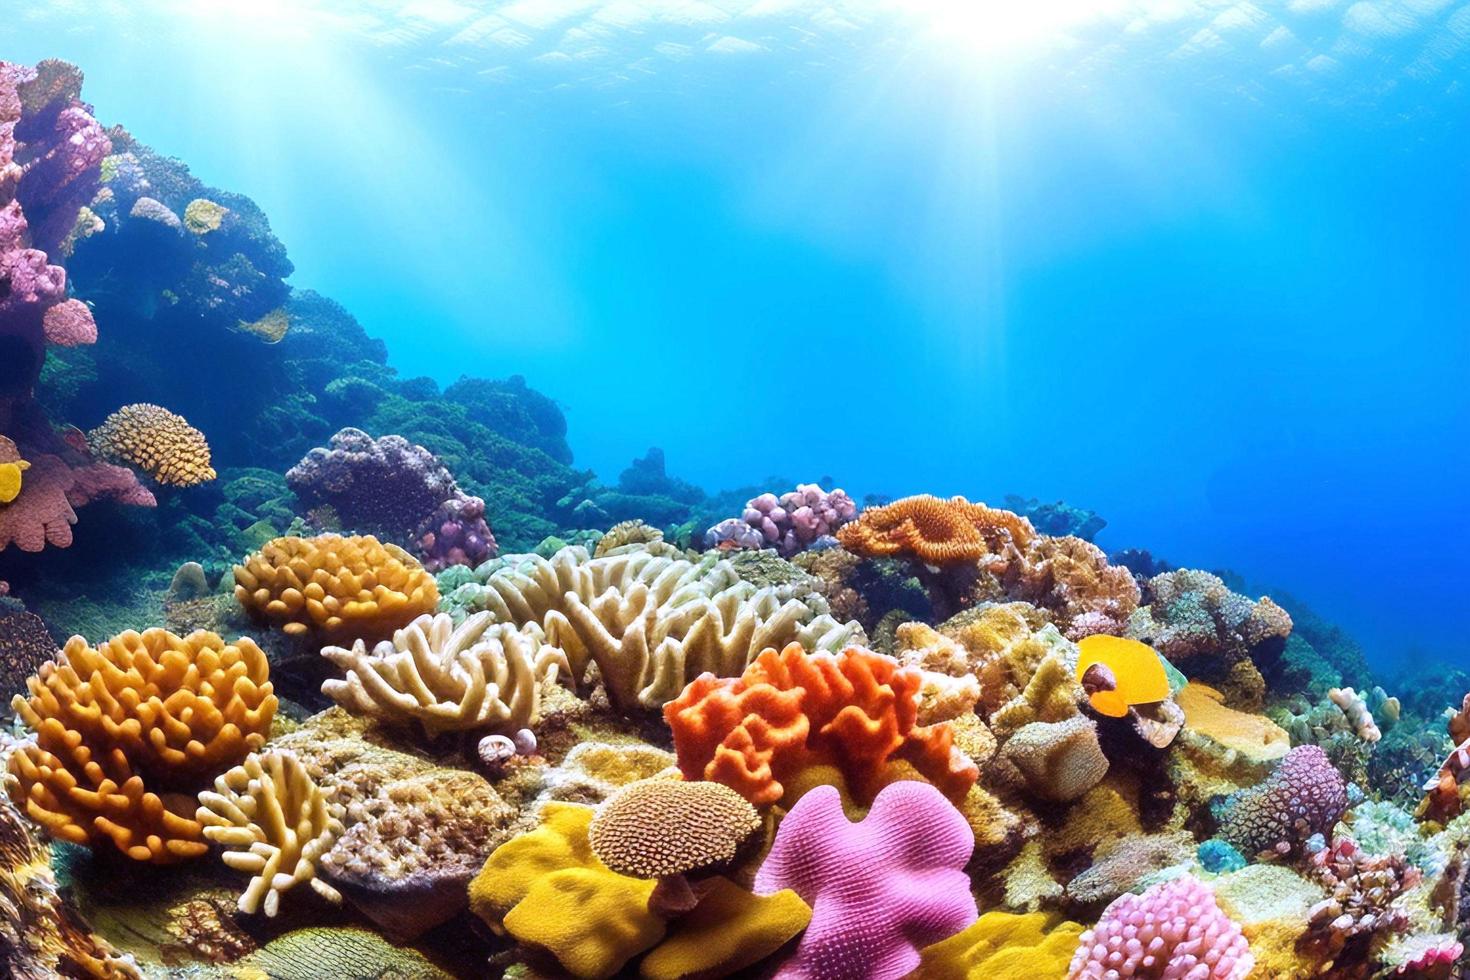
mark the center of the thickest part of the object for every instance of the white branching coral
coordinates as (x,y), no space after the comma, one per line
(652,623)
(445,678)
(275,823)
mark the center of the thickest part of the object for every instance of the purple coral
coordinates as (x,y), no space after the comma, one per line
(456,534)
(1304,796)
(1173,931)
(790,523)
(881,889)
(397,490)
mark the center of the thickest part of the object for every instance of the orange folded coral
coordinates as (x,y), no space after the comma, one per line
(792,709)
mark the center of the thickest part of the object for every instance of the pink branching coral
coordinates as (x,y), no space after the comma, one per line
(1173,931)
(1305,795)
(881,889)
(1361,888)
(788,524)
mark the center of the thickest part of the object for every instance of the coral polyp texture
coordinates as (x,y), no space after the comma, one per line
(157,441)
(334,587)
(939,532)
(1303,796)
(275,823)
(1172,931)
(443,677)
(881,889)
(123,732)
(792,710)
(790,523)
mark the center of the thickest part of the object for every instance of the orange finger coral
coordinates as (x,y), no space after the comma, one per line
(120,725)
(939,532)
(157,441)
(340,588)
(790,710)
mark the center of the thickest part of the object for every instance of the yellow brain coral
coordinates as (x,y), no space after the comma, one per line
(340,588)
(12,467)
(1118,672)
(1003,946)
(150,706)
(939,532)
(157,441)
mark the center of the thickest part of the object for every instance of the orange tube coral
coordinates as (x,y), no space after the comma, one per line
(790,710)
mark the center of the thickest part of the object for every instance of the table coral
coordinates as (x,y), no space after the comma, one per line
(1303,796)
(651,623)
(1253,738)
(274,823)
(1173,930)
(1003,946)
(793,709)
(177,707)
(939,532)
(881,889)
(410,852)
(442,677)
(157,441)
(548,888)
(338,588)
(662,827)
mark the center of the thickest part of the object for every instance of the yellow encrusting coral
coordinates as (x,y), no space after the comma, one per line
(275,823)
(729,930)
(1003,946)
(1255,738)
(339,588)
(157,441)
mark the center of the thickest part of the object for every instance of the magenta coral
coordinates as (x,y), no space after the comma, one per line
(1173,931)
(790,523)
(881,889)
(456,534)
(1303,796)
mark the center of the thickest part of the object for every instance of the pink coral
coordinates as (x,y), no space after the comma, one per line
(790,523)
(1305,795)
(881,889)
(1173,931)
(43,513)
(70,324)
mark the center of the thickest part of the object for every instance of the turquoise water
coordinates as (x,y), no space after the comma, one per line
(1200,267)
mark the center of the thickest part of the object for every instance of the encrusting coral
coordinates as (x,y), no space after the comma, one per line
(793,709)
(1059,760)
(157,441)
(939,532)
(274,823)
(651,624)
(1002,946)
(443,677)
(139,711)
(338,588)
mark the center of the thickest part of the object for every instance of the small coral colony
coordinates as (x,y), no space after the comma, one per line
(925,738)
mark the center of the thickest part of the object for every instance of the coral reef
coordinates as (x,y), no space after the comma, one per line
(1174,929)
(881,889)
(275,823)
(793,710)
(939,532)
(336,588)
(791,523)
(157,441)
(1002,946)
(1303,796)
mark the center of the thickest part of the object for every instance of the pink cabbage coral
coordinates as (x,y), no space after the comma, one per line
(1173,931)
(881,889)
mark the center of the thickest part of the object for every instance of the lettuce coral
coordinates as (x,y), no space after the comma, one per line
(880,890)
(794,709)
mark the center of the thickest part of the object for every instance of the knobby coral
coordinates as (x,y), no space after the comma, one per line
(1303,796)
(445,677)
(881,889)
(939,532)
(275,823)
(150,706)
(662,827)
(793,709)
(1361,888)
(1172,931)
(339,588)
(157,441)
(790,523)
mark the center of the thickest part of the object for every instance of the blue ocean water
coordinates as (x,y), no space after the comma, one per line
(1198,266)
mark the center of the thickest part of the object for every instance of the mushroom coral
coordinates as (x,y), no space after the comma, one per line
(939,532)
(339,588)
(793,709)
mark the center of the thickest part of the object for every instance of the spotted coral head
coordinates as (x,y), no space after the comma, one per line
(1117,673)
